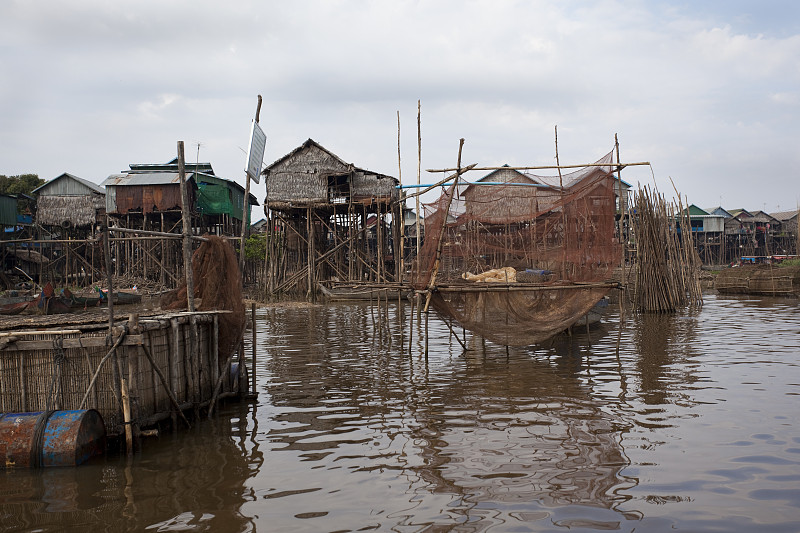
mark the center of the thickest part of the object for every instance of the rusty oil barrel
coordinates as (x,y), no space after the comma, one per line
(51,438)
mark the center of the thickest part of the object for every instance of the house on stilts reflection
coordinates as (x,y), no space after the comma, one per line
(329,220)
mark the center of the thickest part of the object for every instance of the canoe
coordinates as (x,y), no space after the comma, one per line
(353,291)
(41,305)
(85,301)
(14,308)
(121,297)
(126,297)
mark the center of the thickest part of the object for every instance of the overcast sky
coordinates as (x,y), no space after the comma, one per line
(708,92)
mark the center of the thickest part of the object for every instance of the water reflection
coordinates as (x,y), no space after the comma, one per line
(488,425)
(690,425)
(191,481)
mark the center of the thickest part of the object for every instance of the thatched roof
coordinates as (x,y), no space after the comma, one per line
(311,175)
(77,211)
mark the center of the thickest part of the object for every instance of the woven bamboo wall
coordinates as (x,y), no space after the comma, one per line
(53,369)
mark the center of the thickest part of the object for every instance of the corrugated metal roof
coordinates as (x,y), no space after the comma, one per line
(66,175)
(171,166)
(785,215)
(144,178)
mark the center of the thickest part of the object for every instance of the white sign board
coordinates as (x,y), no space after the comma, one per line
(255,154)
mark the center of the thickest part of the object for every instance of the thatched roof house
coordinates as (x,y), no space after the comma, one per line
(68,200)
(310,176)
(491,203)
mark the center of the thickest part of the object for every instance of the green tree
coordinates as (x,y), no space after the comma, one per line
(255,247)
(21,184)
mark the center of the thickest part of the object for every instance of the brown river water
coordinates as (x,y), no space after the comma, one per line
(692,426)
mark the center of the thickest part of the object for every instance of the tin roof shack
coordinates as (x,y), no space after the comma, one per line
(708,228)
(148,197)
(318,207)
(8,211)
(751,233)
(766,226)
(220,204)
(153,191)
(151,201)
(738,235)
(787,240)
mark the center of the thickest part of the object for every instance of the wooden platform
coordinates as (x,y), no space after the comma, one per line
(150,368)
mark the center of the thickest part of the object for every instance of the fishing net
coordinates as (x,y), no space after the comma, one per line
(517,257)
(217,286)
(767,280)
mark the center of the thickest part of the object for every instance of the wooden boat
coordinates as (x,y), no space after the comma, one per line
(14,308)
(85,302)
(121,297)
(344,291)
(53,305)
(595,314)
(126,297)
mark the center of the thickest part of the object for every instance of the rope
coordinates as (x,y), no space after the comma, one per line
(38,438)
(59,358)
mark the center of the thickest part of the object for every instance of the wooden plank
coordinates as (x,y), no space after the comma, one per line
(77,342)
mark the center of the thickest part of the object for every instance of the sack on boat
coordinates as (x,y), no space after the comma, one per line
(495,275)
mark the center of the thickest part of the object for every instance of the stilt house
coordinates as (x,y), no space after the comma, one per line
(69,202)
(148,197)
(318,206)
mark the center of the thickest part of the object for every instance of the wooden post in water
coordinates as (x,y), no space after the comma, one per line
(255,339)
(187,229)
(419,170)
(432,281)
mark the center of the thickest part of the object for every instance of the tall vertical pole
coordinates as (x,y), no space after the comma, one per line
(419,166)
(187,229)
(399,222)
(563,213)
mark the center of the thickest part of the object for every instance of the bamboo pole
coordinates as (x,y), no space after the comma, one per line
(255,343)
(187,230)
(623,251)
(545,167)
(162,234)
(563,213)
(432,280)
(99,367)
(444,181)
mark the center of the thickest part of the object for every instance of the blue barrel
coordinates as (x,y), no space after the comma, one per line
(51,438)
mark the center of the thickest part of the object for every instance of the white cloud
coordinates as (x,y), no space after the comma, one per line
(119,82)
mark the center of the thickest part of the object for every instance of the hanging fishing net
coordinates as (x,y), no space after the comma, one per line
(516,257)
(217,286)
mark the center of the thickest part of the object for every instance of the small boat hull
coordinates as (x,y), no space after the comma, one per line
(14,308)
(354,292)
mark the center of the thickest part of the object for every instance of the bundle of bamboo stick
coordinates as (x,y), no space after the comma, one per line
(668,267)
